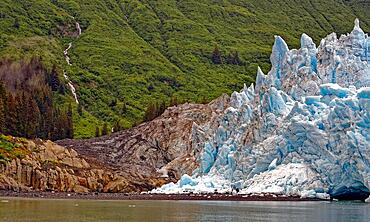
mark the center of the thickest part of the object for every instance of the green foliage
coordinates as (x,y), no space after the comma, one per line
(136,53)
(11,148)
(7,146)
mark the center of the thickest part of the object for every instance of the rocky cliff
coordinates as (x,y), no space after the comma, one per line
(46,166)
(135,160)
(163,148)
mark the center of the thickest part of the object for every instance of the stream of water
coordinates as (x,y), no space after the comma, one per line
(68,60)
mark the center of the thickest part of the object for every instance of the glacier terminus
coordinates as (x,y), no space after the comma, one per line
(302,129)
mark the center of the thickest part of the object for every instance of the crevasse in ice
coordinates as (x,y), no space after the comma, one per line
(303,129)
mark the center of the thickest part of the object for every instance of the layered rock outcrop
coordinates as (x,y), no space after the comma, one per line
(51,167)
(162,148)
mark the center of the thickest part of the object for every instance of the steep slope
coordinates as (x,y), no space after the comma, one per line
(133,53)
(162,147)
(302,130)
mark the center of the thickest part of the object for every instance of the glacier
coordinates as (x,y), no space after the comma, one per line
(303,129)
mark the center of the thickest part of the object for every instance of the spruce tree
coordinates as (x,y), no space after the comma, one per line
(2,116)
(2,107)
(216,56)
(97,131)
(79,109)
(124,108)
(32,118)
(236,59)
(174,101)
(117,126)
(53,79)
(69,123)
(150,112)
(104,131)
(10,117)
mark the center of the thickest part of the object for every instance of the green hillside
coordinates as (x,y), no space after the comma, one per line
(133,53)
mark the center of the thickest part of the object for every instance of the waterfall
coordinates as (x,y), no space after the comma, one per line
(68,60)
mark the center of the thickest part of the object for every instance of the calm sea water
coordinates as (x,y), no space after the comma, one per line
(90,210)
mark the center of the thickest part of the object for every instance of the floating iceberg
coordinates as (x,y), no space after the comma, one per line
(304,129)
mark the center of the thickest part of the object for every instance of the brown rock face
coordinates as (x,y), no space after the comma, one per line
(50,167)
(135,160)
(154,152)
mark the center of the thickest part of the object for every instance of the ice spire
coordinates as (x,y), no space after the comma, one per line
(357,24)
(260,80)
(279,51)
(358,35)
(307,42)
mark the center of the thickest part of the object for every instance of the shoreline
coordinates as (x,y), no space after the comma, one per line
(158,197)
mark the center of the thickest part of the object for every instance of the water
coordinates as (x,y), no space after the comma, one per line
(90,210)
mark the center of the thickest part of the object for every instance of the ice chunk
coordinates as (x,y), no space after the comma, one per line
(273,164)
(330,89)
(364,93)
(274,102)
(187,180)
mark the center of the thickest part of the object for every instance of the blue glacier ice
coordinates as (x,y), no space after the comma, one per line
(303,129)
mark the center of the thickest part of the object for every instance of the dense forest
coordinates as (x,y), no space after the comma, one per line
(134,56)
(27,108)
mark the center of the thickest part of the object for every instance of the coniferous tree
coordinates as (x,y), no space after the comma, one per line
(233,59)
(124,107)
(53,79)
(154,110)
(11,116)
(32,118)
(20,114)
(63,123)
(162,108)
(150,112)
(117,126)
(229,59)
(113,103)
(69,123)
(56,125)
(79,109)
(2,91)
(2,116)
(2,107)
(97,131)
(216,56)
(236,60)
(173,101)
(16,23)
(26,102)
(47,124)
(104,131)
